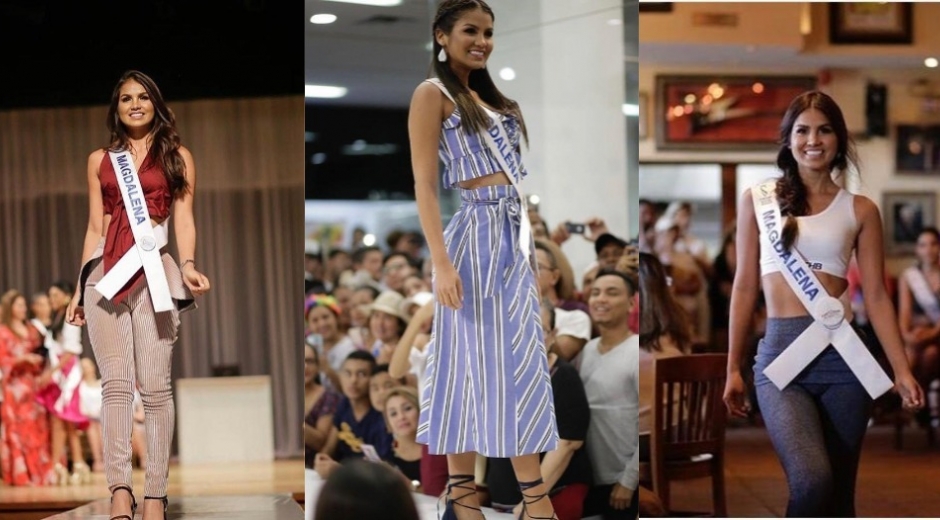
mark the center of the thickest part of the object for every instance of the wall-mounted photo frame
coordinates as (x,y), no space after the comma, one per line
(723,112)
(655,7)
(644,108)
(917,150)
(871,23)
(905,214)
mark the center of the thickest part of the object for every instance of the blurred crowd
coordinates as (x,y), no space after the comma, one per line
(369,313)
(50,394)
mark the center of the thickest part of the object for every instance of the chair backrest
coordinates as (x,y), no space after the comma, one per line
(689,414)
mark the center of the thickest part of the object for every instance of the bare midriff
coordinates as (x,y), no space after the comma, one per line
(493,179)
(106,222)
(783,303)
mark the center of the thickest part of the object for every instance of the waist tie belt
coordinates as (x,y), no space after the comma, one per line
(508,214)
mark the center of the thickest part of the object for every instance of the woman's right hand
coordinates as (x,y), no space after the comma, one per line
(735,395)
(448,286)
(74,314)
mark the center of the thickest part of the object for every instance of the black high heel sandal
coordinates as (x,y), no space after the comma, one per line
(165,503)
(459,482)
(523,486)
(133,503)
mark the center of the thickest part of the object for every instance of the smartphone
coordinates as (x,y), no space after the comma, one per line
(370,454)
(574,229)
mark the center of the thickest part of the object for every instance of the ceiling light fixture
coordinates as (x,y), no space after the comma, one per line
(507,73)
(378,3)
(931,63)
(322,19)
(324,91)
(631,110)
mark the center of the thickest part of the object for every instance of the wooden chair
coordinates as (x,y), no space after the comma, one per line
(688,437)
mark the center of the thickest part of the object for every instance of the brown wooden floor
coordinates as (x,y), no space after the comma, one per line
(891,483)
(282,477)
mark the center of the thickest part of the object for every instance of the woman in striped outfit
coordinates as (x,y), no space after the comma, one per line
(488,389)
(133,343)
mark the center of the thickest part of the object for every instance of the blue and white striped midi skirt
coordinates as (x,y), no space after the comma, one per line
(487,387)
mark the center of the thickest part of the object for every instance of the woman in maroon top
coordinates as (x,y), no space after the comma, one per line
(131,340)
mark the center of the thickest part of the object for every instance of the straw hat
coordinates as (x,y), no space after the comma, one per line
(389,302)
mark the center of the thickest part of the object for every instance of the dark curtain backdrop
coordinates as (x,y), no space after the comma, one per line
(249,211)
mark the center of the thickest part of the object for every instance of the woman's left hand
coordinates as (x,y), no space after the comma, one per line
(912,396)
(197,282)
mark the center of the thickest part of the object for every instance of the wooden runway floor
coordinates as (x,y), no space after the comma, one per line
(891,483)
(282,478)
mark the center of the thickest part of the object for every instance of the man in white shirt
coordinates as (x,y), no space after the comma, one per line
(609,371)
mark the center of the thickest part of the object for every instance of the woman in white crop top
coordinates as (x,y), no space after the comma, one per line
(818,419)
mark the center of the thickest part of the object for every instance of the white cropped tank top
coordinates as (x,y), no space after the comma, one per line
(825,240)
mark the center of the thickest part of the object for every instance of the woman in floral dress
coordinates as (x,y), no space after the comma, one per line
(24,426)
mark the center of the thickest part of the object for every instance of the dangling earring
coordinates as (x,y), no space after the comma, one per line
(442,56)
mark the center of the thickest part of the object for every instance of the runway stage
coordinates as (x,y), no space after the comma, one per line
(242,491)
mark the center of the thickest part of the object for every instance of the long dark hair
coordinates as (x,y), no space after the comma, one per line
(448,12)
(58,320)
(791,192)
(660,313)
(166,140)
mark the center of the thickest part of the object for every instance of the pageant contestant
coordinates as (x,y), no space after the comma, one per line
(814,376)
(488,387)
(130,290)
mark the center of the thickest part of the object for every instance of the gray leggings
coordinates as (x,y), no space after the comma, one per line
(817,431)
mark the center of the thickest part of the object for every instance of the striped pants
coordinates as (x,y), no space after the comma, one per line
(133,345)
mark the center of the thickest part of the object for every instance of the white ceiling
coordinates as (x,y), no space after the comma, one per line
(380,54)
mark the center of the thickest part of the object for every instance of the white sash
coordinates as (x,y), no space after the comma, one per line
(147,240)
(829,327)
(922,293)
(497,138)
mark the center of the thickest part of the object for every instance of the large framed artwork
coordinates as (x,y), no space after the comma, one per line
(905,214)
(917,149)
(871,23)
(723,112)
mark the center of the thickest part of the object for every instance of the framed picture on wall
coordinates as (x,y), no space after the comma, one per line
(643,117)
(906,213)
(723,112)
(917,149)
(871,23)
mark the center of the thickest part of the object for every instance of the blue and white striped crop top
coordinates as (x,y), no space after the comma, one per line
(465,154)
(825,240)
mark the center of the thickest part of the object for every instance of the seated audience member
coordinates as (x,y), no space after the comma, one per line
(415,284)
(359,308)
(322,313)
(338,262)
(395,268)
(410,361)
(566,471)
(319,405)
(379,385)
(664,332)
(367,267)
(609,373)
(356,422)
(365,490)
(386,324)
(401,413)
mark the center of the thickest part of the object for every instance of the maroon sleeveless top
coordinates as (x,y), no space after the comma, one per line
(120,238)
